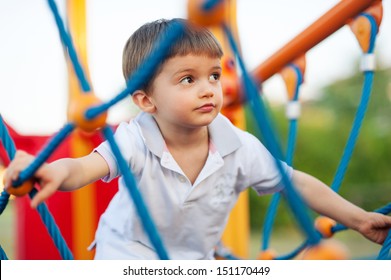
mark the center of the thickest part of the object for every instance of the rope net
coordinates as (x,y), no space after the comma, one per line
(94,116)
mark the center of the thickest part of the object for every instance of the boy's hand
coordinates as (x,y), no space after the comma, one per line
(20,162)
(375,227)
(48,178)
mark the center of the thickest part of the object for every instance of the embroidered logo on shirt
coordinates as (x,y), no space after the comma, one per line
(223,190)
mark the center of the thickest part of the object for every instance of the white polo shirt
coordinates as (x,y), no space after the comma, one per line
(190,218)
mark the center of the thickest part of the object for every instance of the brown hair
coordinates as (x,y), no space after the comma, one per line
(193,40)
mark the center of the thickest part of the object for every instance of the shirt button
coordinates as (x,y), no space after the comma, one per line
(182,178)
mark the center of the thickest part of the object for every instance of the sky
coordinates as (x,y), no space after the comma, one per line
(33,75)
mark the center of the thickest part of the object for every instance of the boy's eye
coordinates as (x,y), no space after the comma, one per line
(214,77)
(186,80)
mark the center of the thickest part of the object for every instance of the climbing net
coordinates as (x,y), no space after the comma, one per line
(91,115)
(327,227)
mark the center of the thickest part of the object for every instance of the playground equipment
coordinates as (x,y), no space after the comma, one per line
(92,109)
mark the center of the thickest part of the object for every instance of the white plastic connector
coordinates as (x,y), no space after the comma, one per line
(368,62)
(293,110)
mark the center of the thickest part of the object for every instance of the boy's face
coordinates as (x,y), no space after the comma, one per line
(187,92)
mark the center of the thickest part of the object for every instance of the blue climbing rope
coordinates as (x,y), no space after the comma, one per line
(292,135)
(10,148)
(43,211)
(141,208)
(294,200)
(366,92)
(341,170)
(53,229)
(44,154)
(3,255)
(67,42)
(144,71)
(272,209)
(295,252)
(384,253)
(208,5)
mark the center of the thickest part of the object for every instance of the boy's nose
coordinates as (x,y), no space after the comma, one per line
(208,93)
(207,90)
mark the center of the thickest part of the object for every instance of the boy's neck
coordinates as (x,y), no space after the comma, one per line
(189,148)
(178,137)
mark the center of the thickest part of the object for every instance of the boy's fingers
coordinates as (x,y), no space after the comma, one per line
(6,177)
(40,172)
(43,194)
(10,175)
(20,162)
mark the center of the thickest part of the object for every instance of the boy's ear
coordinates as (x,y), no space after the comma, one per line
(143,101)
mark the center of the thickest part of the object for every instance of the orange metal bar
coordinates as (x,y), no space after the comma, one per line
(83,201)
(326,25)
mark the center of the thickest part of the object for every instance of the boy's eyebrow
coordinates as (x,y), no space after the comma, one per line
(217,67)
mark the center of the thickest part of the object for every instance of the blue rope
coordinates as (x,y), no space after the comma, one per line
(210,4)
(366,92)
(44,154)
(224,252)
(11,150)
(347,154)
(374,30)
(42,209)
(294,200)
(141,208)
(3,255)
(292,136)
(6,139)
(384,253)
(272,209)
(52,229)
(269,220)
(142,74)
(294,253)
(67,41)
(145,70)
(353,135)
(4,199)
(351,143)
(384,210)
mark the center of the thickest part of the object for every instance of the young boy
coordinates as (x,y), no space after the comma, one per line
(190,162)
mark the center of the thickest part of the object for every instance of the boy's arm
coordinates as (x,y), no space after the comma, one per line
(69,174)
(80,171)
(65,174)
(325,201)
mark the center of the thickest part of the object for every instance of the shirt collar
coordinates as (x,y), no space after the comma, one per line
(221,133)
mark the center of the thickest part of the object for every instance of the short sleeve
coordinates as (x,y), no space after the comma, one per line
(264,174)
(130,144)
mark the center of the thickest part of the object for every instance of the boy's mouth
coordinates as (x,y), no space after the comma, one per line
(208,107)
